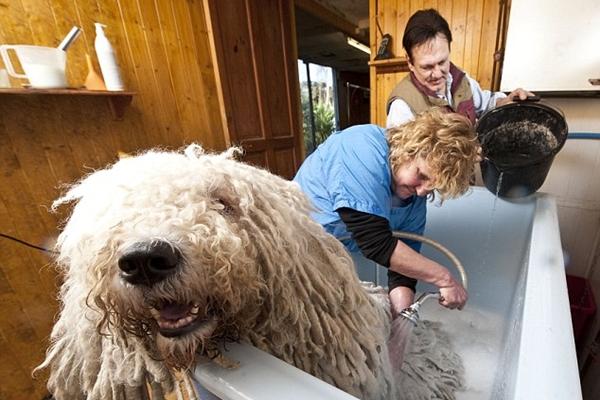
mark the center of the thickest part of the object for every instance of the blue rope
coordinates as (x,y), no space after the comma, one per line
(583,135)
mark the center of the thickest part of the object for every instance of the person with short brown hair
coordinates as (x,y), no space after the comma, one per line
(434,81)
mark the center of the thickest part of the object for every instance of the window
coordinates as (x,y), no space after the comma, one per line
(318,99)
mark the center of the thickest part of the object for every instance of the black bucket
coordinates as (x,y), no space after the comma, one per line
(519,141)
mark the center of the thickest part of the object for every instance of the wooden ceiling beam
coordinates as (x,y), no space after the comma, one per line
(332,18)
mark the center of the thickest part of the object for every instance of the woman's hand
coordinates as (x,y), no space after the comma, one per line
(453,295)
(408,262)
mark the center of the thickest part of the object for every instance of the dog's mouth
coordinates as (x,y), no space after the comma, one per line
(175,319)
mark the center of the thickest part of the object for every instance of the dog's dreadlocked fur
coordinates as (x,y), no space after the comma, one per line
(256,265)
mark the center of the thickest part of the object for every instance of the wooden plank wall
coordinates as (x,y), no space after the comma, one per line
(163,51)
(257,64)
(473,23)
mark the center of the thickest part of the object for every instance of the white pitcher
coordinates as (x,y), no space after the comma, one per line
(44,67)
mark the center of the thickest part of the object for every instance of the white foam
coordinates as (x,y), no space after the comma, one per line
(477,337)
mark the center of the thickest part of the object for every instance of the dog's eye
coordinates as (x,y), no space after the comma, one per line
(224,207)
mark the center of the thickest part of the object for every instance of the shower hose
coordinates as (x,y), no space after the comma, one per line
(411,312)
(438,246)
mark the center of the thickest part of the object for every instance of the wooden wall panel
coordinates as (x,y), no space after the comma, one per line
(258,78)
(234,53)
(45,141)
(282,161)
(487,43)
(473,23)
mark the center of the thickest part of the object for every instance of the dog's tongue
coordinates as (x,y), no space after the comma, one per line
(174,311)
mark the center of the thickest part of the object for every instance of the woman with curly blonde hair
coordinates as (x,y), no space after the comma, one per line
(368,182)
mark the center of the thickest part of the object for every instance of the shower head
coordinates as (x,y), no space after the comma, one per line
(411,312)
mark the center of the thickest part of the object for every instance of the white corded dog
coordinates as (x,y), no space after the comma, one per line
(167,255)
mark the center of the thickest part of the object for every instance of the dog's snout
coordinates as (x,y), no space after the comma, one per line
(147,263)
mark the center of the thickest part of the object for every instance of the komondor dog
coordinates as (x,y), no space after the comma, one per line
(167,256)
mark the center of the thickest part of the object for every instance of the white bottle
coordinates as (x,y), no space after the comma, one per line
(107,60)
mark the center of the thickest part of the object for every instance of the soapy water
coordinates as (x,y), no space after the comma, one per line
(476,336)
(432,369)
(471,339)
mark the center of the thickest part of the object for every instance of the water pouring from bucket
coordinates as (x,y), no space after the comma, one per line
(519,142)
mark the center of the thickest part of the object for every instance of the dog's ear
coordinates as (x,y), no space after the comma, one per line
(93,182)
(195,151)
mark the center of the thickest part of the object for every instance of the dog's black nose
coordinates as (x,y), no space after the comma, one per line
(147,263)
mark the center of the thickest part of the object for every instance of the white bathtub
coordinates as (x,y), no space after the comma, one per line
(515,335)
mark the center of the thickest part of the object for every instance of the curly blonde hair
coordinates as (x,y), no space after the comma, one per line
(446,141)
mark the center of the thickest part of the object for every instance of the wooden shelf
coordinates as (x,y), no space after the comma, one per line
(118,100)
(397,64)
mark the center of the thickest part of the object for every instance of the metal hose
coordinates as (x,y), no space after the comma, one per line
(411,313)
(433,243)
